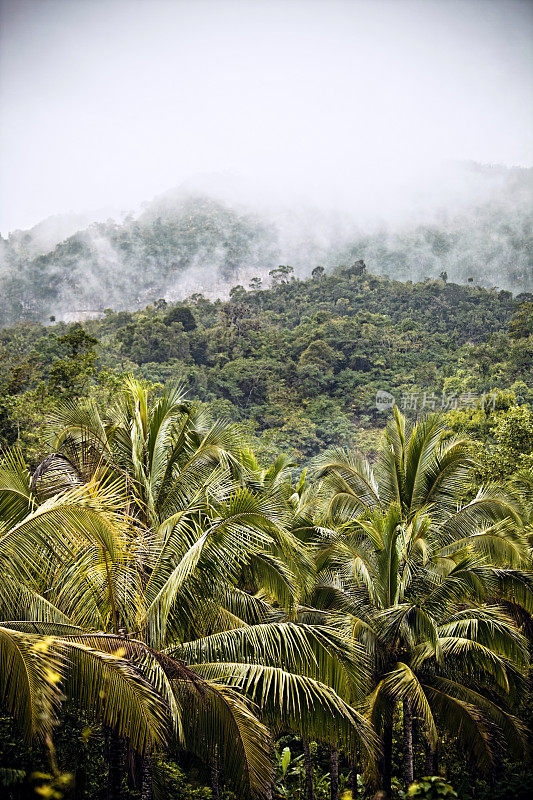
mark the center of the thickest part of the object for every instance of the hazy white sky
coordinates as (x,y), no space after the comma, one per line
(108,102)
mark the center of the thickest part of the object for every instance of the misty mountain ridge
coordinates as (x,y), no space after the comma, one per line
(186,242)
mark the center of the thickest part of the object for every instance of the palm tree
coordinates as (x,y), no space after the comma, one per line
(411,565)
(160,571)
(85,600)
(296,499)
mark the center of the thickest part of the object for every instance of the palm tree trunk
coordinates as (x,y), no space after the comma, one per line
(308,790)
(408,769)
(146,788)
(114,760)
(215,775)
(353,780)
(431,758)
(334,773)
(386,759)
(416,742)
(135,768)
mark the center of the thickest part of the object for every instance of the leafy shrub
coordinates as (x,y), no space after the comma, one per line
(171,781)
(430,788)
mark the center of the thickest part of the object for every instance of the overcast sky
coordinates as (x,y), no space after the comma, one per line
(109,102)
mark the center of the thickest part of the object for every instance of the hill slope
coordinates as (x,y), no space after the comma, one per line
(299,364)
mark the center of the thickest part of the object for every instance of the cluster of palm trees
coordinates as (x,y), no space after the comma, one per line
(158,577)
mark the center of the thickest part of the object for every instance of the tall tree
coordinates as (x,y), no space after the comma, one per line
(412,564)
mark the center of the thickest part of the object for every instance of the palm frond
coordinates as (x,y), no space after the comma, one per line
(31,670)
(112,690)
(314,651)
(295,703)
(402,683)
(466,721)
(16,497)
(220,722)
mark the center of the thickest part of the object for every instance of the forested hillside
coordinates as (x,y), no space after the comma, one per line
(181,244)
(299,365)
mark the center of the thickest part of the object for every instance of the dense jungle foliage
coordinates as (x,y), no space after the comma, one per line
(227,573)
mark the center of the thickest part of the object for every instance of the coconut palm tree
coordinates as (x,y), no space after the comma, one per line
(160,572)
(298,499)
(411,565)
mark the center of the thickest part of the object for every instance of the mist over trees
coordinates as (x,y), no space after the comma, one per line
(181,245)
